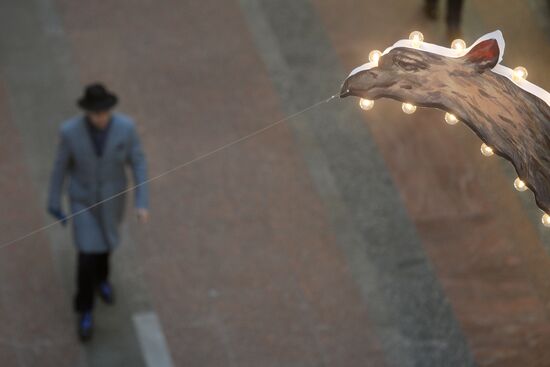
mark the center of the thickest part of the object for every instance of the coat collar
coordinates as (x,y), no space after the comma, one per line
(113,130)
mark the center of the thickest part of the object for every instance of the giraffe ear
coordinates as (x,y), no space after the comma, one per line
(484,55)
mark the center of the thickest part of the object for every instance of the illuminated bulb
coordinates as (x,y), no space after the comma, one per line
(546,220)
(408,108)
(519,73)
(374,56)
(458,45)
(486,150)
(416,37)
(366,104)
(450,118)
(519,184)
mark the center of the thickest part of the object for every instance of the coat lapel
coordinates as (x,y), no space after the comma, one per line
(111,139)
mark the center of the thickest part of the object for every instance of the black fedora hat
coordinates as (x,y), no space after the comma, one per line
(97,98)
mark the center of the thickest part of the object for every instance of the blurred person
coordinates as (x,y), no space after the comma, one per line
(454,14)
(93,152)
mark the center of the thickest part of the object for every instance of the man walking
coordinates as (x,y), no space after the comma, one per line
(94,150)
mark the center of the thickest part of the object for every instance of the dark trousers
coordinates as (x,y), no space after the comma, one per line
(92,270)
(454,11)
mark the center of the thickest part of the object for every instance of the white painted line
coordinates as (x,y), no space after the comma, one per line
(153,344)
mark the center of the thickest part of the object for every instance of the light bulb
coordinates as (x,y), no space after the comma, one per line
(458,44)
(546,220)
(519,74)
(374,56)
(486,150)
(366,104)
(450,118)
(416,37)
(408,108)
(520,185)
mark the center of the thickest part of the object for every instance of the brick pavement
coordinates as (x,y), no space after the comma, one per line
(313,244)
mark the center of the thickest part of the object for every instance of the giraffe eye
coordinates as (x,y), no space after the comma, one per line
(405,64)
(409,64)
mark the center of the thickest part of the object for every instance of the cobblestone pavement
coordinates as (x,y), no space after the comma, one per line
(339,238)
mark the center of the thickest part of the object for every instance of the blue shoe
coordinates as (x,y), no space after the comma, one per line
(106,293)
(85,326)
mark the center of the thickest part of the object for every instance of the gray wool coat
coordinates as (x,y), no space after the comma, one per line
(92,179)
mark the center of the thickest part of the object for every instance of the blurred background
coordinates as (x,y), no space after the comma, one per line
(340,238)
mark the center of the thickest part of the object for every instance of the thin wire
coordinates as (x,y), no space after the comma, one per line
(171,170)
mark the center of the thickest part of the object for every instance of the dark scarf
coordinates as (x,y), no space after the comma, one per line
(99,136)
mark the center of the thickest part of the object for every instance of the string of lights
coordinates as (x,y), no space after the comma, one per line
(458,49)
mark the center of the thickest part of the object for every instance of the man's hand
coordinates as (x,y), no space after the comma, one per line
(59,215)
(142,215)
